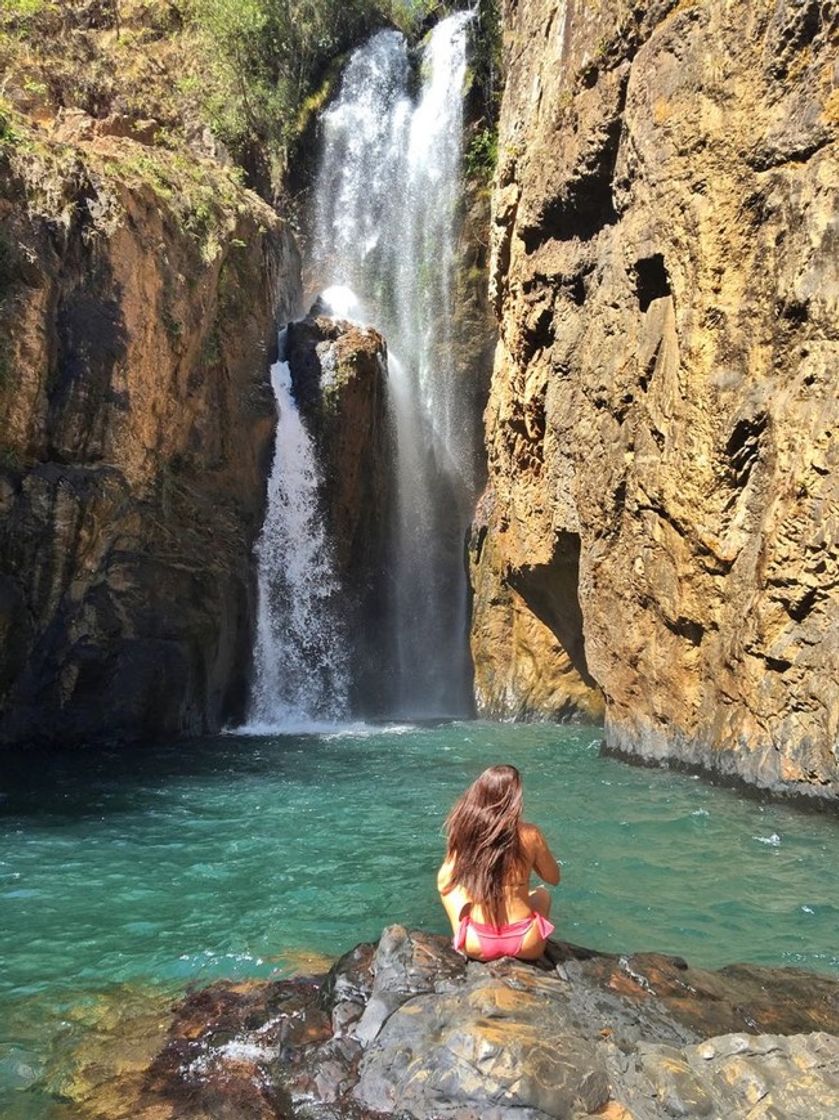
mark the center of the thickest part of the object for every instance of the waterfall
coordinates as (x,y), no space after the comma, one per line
(386,223)
(300,657)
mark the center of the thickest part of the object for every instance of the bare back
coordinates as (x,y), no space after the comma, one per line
(538,859)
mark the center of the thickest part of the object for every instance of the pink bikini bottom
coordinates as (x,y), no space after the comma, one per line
(500,941)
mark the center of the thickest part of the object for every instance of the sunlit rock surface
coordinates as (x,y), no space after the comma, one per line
(407,1028)
(659,532)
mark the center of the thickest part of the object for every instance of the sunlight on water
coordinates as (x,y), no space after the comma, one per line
(123,877)
(342,301)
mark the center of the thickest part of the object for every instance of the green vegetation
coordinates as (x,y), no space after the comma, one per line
(486,87)
(65,54)
(255,71)
(200,203)
(487,68)
(8,275)
(8,133)
(482,154)
(5,367)
(8,264)
(270,64)
(17,13)
(268,61)
(211,348)
(174,327)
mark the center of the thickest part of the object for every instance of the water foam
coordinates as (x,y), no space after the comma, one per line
(300,657)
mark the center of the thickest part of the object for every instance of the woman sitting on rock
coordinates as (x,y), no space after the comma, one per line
(484,882)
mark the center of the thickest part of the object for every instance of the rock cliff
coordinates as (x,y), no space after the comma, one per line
(658,537)
(139,289)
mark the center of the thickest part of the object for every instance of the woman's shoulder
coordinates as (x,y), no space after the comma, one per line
(444,875)
(532,839)
(529,833)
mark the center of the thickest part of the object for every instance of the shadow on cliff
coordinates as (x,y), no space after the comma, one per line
(551,592)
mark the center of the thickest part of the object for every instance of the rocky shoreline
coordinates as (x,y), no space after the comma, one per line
(407,1028)
(803,795)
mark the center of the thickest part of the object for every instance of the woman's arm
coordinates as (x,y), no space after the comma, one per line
(541,855)
(453,898)
(444,876)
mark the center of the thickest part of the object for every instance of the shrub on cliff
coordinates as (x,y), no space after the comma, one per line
(266,59)
(261,59)
(253,70)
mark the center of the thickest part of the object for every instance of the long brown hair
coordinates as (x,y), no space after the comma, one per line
(482,831)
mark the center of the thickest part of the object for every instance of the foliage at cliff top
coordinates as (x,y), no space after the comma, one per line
(271,63)
(89,108)
(245,73)
(264,58)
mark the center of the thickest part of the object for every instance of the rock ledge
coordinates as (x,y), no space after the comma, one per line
(408,1028)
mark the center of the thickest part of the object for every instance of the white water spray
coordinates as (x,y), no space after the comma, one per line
(300,658)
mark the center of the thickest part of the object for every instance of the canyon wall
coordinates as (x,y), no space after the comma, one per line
(658,536)
(140,289)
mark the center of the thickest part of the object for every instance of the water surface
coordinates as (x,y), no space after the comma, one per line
(128,875)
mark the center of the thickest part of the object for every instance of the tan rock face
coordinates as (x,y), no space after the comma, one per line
(137,325)
(663,407)
(526,632)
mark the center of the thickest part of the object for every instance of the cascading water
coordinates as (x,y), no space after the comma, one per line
(300,658)
(386,224)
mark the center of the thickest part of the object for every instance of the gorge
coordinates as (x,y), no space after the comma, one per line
(393,388)
(655,544)
(620,543)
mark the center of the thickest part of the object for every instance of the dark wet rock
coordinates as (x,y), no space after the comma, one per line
(409,1029)
(696,1002)
(137,427)
(485,1048)
(339,376)
(763,1076)
(511,1036)
(351,978)
(222,1043)
(406,965)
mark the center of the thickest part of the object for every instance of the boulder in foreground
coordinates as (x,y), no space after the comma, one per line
(408,1028)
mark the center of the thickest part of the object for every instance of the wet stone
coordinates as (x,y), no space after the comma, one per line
(407,1029)
(345,1015)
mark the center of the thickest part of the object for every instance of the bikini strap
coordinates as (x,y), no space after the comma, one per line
(545,927)
(463,926)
